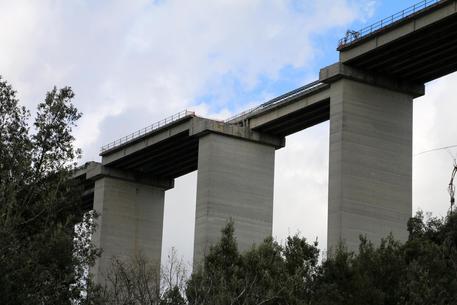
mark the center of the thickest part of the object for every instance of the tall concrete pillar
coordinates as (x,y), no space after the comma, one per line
(370,165)
(235,180)
(130,219)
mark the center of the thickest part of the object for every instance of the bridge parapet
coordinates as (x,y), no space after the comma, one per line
(353,37)
(172,151)
(185,114)
(418,48)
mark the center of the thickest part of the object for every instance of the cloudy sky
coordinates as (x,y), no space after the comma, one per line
(134,62)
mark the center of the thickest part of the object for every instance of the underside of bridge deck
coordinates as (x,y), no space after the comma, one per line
(171,158)
(297,120)
(420,56)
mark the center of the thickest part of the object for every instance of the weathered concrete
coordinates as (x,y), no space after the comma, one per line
(368,97)
(370,165)
(418,48)
(400,30)
(235,180)
(201,126)
(130,221)
(284,113)
(338,71)
(172,151)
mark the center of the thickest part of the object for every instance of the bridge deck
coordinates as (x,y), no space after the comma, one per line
(420,48)
(294,114)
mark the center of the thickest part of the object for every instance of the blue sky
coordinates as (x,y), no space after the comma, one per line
(290,77)
(134,62)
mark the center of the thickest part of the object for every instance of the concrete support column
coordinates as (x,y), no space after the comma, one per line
(130,221)
(235,180)
(370,165)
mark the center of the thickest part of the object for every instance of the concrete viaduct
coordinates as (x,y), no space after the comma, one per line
(368,98)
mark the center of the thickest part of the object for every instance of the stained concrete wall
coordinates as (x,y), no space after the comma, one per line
(370,165)
(130,222)
(235,180)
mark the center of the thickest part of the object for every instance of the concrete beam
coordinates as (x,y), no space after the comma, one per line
(285,110)
(235,181)
(145,141)
(339,70)
(370,164)
(99,171)
(148,152)
(200,127)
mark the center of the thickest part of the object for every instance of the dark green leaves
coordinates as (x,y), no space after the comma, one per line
(422,271)
(43,259)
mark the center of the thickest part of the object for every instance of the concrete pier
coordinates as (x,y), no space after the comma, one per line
(370,165)
(367,96)
(130,219)
(235,180)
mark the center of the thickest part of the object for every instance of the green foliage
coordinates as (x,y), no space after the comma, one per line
(267,274)
(172,296)
(431,257)
(43,258)
(373,275)
(421,271)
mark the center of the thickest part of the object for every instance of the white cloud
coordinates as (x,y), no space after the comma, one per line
(301,185)
(434,127)
(134,62)
(157,56)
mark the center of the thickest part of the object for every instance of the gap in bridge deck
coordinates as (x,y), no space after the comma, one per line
(179,219)
(301,186)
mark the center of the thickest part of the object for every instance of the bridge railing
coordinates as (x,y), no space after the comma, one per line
(307,88)
(353,36)
(143,131)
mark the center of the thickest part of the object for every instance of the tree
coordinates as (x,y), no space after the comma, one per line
(139,281)
(431,257)
(44,233)
(420,271)
(266,274)
(370,277)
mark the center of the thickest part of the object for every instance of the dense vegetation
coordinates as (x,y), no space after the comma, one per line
(421,271)
(43,258)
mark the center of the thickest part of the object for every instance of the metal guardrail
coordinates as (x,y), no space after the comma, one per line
(307,88)
(143,131)
(353,36)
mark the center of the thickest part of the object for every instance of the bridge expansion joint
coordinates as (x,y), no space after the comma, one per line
(98,171)
(339,70)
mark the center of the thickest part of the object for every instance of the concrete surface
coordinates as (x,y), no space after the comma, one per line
(400,30)
(419,48)
(130,222)
(235,180)
(367,96)
(370,164)
(172,151)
